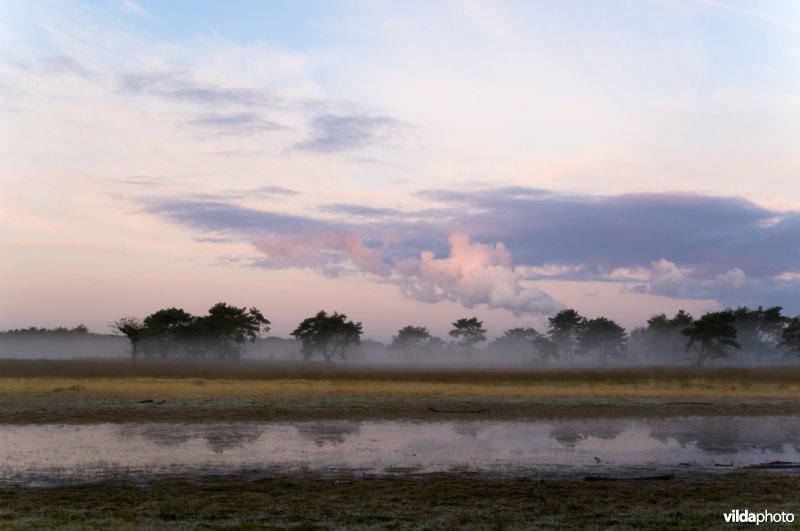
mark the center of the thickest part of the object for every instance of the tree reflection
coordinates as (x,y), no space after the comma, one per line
(571,433)
(323,433)
(731,435)
(218,437)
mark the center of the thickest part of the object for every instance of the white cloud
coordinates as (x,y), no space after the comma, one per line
(666,278)
(473,274)
(549,270)
(629,273)
(789,276)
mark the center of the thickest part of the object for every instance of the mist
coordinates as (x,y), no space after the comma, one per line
(666,351)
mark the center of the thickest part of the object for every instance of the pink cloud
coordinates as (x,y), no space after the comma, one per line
(473,274)
(331,254)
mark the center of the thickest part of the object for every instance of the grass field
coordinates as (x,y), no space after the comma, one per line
(401,502)
(114,391)
(287,370)
(209,379)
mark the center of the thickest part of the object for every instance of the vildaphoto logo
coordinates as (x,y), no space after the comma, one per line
(749,517)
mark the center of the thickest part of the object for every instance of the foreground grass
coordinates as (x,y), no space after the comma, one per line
(192,379)
(403,502)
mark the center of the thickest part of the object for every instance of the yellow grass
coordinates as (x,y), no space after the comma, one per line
(221,388)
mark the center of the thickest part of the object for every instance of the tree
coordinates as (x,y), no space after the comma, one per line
(165,329)
(516,337)
(603,338)
(565,329)
(468,333)
(663,336)
(227,328)
(772,324)
(710,335)
(790,338)
(133,329)
(412,341)
(637,343)
(759,331)
(515,341)
(327,335)
(545,349)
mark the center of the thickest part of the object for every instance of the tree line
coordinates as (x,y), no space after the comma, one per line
(756,334)
(759,334)
(77,331)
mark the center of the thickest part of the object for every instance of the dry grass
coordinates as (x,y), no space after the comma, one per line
(208,379)
(283,370)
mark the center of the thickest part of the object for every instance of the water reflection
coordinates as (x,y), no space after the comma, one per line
(730,435)
(467,429)
(28,452)
(218,437)
(323,433)
(571,433)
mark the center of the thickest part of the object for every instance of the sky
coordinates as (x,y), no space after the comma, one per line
(401,162)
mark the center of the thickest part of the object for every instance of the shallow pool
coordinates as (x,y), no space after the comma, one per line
(45,453)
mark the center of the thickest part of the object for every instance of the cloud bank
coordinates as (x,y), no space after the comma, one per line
(460,249)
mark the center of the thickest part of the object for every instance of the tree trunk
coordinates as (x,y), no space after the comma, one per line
(701,357)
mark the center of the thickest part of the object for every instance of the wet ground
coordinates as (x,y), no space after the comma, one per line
(43,454)
(86,408)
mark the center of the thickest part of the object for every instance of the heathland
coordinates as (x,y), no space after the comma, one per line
(102,391)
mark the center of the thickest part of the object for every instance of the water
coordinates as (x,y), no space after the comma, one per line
(35,454)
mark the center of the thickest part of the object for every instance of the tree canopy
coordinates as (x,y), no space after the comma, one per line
(516,337)
(565,329)
(468,333)
(545,349)
(165,328)
(133,329)
(228,327)
(663,336)
(711,335)
(328,335)
(602,338)
(412,341)
(223,332)
(790,338)
(516,341)
(759,330)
